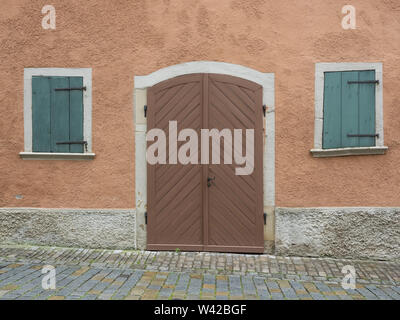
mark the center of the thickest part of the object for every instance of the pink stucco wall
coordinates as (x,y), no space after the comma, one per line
(119,39)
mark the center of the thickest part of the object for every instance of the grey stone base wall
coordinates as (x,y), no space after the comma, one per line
(82,228)
(357,233)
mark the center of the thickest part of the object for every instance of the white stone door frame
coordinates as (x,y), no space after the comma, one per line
(141,83)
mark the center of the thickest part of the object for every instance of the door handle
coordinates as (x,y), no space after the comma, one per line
(210,181)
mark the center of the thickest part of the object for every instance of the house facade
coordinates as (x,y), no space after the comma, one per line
(79,99)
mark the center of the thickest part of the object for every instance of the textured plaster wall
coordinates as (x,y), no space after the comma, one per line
(119,39)
(372,233)
(112,229)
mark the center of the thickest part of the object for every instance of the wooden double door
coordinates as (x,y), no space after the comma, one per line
(206,207)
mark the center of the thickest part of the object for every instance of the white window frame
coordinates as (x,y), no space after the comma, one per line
(86,74)
(320,69)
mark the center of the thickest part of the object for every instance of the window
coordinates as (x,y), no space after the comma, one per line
(349,115)
(57,114)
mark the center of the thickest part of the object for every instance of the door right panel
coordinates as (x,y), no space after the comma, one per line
(234,220)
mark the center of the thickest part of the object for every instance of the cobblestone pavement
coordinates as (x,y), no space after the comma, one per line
(106,274)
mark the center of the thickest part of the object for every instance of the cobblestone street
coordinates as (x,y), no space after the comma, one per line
(106,274)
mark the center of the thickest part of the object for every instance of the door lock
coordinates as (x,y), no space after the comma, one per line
(210,181)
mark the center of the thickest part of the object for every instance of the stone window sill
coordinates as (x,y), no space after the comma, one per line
(343,152)
(56,156)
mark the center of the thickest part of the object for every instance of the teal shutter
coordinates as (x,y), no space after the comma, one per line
(332,135)
(367,108)
(57,115)
(349,109)
(41,106)
(76,114)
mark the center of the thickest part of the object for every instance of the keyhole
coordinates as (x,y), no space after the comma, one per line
(210,181)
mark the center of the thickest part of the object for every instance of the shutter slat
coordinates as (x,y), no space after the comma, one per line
(332,110)
(76,114)
(350,109)
(41,106)
(59,114)
(367,108)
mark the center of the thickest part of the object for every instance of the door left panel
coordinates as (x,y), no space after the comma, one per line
(174,191)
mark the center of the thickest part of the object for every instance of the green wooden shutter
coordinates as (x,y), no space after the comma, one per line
(367,108)
(57,116)
(76,114)
(349,108)
(41,107)
(332,135)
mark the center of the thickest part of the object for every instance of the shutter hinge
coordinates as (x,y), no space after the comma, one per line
(265,219)
(145,217)
(363,135)
(368,81)
(145,111)
(85,143)
(265,110)
(71,89)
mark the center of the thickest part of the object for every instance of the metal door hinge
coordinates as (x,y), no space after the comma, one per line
(265,110)
(145,217)
(145,111)
(265,219)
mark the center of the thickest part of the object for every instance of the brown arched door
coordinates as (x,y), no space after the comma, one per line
(206,207)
